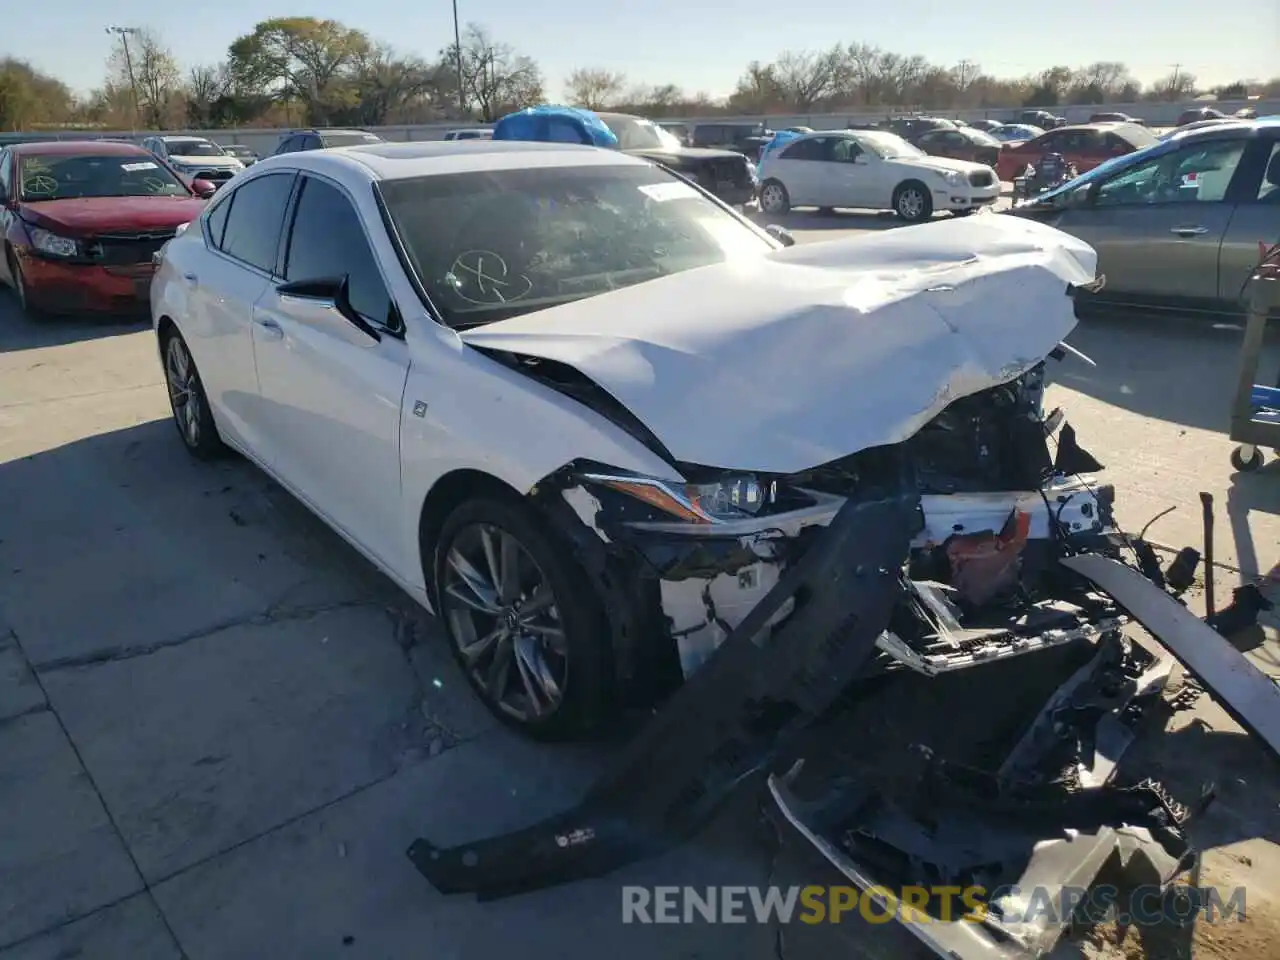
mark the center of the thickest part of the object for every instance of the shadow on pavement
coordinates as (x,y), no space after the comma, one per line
(1173,368)
(18,332)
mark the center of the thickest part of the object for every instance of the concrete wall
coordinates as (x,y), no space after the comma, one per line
(1156,114)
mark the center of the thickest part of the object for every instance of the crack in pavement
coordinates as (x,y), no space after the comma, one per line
(111,817)
(273,614)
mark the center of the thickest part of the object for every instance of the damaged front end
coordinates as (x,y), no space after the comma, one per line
(756,604)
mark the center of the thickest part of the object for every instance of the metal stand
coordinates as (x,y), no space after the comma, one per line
(1255,415)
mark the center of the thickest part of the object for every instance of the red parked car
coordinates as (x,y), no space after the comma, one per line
(962,144)
(1084,146)
(79,222)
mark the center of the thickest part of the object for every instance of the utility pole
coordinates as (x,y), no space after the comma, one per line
(963,68)
(123,33)
(1174,93)
(457,51)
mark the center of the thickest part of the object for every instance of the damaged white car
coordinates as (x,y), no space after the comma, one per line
(633,449)
(589,415)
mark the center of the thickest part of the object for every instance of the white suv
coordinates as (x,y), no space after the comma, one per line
(195,157)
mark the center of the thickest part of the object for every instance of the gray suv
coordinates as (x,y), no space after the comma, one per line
(322,138)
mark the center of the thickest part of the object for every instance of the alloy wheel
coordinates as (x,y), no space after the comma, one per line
(771,198)
(505,622)
(910,203)
(184,392)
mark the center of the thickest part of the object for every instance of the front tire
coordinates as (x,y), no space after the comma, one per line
(532,642)
(20,292)
(912,202)
(192,414)
(774,198)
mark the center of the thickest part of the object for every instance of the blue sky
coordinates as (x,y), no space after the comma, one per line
(704,47)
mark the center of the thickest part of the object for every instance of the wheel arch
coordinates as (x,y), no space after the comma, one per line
(445,495)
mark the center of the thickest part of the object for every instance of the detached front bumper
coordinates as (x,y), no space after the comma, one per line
(61,287)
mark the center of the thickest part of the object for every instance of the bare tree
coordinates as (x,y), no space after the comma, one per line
(149,65)
(1178,85)
(594,87)
(805,78)
(389,87)
(494,77)
(758,89)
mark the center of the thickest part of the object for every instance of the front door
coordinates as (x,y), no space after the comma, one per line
(331,394)
(1158,226)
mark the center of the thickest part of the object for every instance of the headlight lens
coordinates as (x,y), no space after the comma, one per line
(729,498)
(954,177)
(54,245)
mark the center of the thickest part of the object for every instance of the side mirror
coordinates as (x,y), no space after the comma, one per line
(203,189)
(333,291)
(781,234)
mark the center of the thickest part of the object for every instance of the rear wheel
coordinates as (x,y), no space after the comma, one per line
(188,401)
(912,202)
(533,643)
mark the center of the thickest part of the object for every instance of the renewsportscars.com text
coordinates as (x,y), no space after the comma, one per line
(1141,906)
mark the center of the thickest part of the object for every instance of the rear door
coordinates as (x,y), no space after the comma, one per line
(799,166)
(1158,226)
(242,238)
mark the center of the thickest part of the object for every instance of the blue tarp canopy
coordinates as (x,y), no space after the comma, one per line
(780,139)
(556,125)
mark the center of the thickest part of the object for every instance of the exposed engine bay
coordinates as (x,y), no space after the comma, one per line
(983,581)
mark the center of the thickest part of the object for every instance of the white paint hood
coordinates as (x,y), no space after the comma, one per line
(805,355)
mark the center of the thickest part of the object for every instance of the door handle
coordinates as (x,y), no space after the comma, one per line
(190,278)
(1189,231)
(269,327)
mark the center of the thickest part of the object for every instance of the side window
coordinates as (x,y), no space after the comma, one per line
(1269,189)
(217,219)
(5,179)
(287,145)
(252,232)
(312,142)
(810,149)
(844,150)
(327,240)
(1199,173)
(1052,143)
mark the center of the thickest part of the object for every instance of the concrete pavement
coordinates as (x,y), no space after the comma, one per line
(220,727)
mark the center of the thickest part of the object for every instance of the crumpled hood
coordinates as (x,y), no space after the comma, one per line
(808,354)
(88,216)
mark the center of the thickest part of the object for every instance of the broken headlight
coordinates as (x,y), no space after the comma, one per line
(731,497)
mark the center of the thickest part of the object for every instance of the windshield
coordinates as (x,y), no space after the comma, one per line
(349,139)
(635,133)
(889,146)
(193,148)
(60,177)
(490,245)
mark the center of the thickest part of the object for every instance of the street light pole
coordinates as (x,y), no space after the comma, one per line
(123,33)
(457,52)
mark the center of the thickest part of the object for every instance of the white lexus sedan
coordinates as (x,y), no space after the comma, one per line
(588,414)
(871,170)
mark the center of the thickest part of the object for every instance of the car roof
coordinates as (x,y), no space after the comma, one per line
(166,137)
(101,148)
(398,161)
